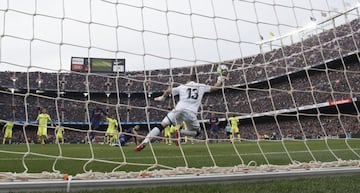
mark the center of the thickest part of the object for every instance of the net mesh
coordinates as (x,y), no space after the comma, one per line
(292,83)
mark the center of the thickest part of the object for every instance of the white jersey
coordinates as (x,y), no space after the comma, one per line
(190,95)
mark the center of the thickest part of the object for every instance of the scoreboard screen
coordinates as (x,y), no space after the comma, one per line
(99,65)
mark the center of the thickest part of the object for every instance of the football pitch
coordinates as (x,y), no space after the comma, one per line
(79,158)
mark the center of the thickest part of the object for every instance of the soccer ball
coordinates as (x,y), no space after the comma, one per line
(222,70)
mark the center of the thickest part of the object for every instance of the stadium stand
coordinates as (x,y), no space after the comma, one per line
(297,74)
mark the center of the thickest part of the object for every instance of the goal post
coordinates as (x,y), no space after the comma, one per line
(292,82)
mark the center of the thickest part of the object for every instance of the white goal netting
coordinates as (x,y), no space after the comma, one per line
(293,84)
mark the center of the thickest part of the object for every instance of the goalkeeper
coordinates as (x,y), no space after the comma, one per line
(190,95)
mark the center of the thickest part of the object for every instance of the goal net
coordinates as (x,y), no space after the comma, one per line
(293,84)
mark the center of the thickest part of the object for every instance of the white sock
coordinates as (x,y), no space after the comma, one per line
(153,133)
(188,132)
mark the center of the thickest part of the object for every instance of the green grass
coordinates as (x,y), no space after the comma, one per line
(72,158)
(106,158)
(101,65)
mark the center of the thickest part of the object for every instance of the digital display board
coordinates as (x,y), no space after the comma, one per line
(99,65)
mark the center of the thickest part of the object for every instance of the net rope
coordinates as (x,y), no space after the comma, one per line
(273,54)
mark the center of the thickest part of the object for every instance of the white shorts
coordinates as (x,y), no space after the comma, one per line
(177,117)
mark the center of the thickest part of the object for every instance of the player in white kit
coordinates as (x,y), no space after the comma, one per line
(190,96)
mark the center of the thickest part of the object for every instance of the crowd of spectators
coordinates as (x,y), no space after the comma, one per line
(309,72)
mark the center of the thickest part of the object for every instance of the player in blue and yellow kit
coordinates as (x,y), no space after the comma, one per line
(129,133)
(214,127)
